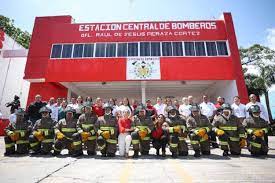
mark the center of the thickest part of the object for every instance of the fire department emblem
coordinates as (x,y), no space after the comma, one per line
(143,68)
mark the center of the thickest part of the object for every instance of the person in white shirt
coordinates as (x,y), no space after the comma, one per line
(72,104)
(253,101)
(207,108)
(238,109)
(125,106)
(54,108)
(159,106)
(184,109)
(112,101)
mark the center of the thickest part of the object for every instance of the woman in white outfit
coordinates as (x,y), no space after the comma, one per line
(124,138)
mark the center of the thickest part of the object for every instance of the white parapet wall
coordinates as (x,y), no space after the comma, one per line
(12,65)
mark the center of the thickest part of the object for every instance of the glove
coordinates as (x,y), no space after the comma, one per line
(14,136)
(219,132)
(201,132)
(39,135)
(177,129)
(205,137)
(258,133)
(85,135)
(60,135)
(106,134)
(242,142)
(142,133)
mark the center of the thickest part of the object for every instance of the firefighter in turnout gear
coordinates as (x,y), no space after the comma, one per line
(42,138)
(85,127)
(66,136)
(143,125)
(107,130)
(18,134)
(230,131)
(256,128)
(178,133)
(198,126)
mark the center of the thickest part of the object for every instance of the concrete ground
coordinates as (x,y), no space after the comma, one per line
(214,168)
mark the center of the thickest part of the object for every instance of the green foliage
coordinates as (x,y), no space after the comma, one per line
(22,37)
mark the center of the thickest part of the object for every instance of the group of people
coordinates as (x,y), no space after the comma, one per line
(50,128)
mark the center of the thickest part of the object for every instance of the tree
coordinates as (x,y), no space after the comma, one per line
(22,37)
(261,59)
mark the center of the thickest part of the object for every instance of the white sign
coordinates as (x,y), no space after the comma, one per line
(143,68)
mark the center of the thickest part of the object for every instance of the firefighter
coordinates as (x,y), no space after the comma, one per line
(18,133)
(107,130)
(230,131)
(66,135)
(85,127)
(256,128)
(178,133)
(142,125)
(198,126)
(42,137)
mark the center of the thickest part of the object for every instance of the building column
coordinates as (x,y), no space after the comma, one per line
(143,91)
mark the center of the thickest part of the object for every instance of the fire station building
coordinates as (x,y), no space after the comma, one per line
(134,59)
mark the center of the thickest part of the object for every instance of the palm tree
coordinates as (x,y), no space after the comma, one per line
(260,84)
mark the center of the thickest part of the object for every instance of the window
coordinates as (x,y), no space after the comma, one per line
(122,49)
(88,50)
(111,50)
(166,49)
(200,49)
(177,49)
(56,51)
(211,48)
(100,50)
(222,48)
(155,49)
(78,50)
(132,49)
(145,49)
(189,48)
(67,51)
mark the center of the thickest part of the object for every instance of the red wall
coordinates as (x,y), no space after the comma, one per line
(46,90)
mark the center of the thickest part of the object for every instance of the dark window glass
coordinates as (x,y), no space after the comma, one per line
(111,50)
(155,49)
(100,50)
(200,50)
(222,48)
(78,50)
(56,51)
(145,49)
(211,48)
(122,49)
(88,50)
(132,49)
(177,49)
(189,48)
(166,49)
(67,51)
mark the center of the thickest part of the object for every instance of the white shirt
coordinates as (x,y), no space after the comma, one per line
(123,108)
(239,110)
(114,111)
(207,109)
(54,114)
(160,108)
(184,110)
(12,118)
(263,113)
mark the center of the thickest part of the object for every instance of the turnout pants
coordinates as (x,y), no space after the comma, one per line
(45,146)
(73,144)
(22,146)
(230,143)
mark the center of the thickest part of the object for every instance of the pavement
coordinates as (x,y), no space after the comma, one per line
(213,168)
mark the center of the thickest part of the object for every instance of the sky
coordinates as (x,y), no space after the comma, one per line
(254,20)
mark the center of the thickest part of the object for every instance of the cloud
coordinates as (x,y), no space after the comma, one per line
(271,38)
